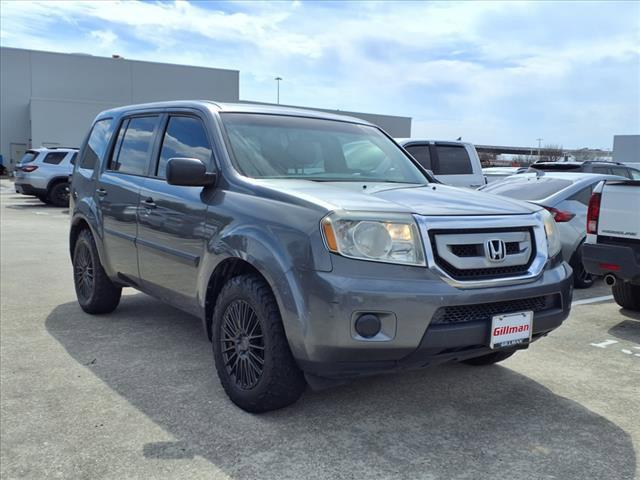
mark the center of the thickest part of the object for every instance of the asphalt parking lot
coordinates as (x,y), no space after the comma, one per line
(134,394)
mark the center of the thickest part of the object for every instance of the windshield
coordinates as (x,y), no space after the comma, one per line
(529,189)
(277,146)
(28,157)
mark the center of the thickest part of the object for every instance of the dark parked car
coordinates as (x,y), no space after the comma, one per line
(307,259)
(605,168)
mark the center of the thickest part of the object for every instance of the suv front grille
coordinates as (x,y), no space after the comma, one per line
(461,253)
(484,311)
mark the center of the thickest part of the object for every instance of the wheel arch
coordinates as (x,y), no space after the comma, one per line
(225,271)
(56,180)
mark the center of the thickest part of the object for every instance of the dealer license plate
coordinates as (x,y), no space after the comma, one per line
(511,329)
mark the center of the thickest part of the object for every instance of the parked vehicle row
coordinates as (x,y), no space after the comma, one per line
(312,247)
(44,173)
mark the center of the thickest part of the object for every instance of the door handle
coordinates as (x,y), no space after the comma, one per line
(149,203)
(101,192)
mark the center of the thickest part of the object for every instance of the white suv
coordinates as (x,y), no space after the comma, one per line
(44,173)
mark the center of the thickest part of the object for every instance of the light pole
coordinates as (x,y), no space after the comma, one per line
(278,79)
(539,146)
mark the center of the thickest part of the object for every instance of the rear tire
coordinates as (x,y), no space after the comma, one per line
(250,349)
(59,195)
(581,278)
(490,359)
(96,293)
(627,295)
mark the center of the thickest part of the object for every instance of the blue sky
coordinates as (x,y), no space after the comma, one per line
(502,73)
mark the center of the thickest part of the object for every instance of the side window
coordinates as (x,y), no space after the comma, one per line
(605,170)
(74,157)
(133,149)
(623,172)
(421,154)
(54,158)
(97,144)
(185,137)
(635,174)
(453,160)
(583,195)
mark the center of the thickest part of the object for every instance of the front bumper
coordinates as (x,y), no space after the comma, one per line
(597,257)
(410,297)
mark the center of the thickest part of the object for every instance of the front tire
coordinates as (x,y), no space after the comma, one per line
(490,359)
(96,293)
(627,295)
(250,349)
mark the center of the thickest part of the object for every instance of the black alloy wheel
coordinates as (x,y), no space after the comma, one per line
(242,344)
(59,195)
(83,272)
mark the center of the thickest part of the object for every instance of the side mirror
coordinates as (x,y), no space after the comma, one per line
(188,172)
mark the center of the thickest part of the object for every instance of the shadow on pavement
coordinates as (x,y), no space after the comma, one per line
(451,421)
(627,329)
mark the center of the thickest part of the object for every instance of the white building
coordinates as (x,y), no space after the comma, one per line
(50,99)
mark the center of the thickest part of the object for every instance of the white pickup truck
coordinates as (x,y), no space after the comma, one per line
(612,247)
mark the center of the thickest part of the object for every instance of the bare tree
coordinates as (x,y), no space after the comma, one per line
(523,160)
(487,159)
(585,155)
(552,153)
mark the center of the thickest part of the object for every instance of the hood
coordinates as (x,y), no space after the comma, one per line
(432,199)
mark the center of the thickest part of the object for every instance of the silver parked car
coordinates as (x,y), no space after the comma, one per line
(566,196)
(44,173)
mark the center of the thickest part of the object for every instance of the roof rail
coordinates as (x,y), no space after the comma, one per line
(603,161)
(59,146)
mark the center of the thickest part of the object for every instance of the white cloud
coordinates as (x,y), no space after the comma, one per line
(477,69)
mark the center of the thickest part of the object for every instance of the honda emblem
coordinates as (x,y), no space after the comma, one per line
(495,250)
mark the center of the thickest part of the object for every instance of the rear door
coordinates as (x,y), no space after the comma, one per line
(456,164)
(171,223)
(118,191)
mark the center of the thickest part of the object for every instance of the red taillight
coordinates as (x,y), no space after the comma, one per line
(593,213)
(29,168)
(560,216)
(614,267)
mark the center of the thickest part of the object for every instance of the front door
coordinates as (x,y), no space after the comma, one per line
(171,222)
(118,192)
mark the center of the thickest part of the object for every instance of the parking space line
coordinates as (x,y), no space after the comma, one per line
(585,301)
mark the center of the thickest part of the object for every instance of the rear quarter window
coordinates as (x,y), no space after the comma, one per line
(54,158)
(453,160)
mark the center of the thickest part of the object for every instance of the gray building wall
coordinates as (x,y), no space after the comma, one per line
(50,98)
(626,149)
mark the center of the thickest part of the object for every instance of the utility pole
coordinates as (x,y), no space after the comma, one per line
(278,79)
(539,146)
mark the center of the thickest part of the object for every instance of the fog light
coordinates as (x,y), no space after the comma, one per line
(368,325)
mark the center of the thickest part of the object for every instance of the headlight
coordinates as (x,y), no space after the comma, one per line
(391,238)
(553,237)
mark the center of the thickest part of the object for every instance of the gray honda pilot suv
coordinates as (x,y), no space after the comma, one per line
(312,246)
